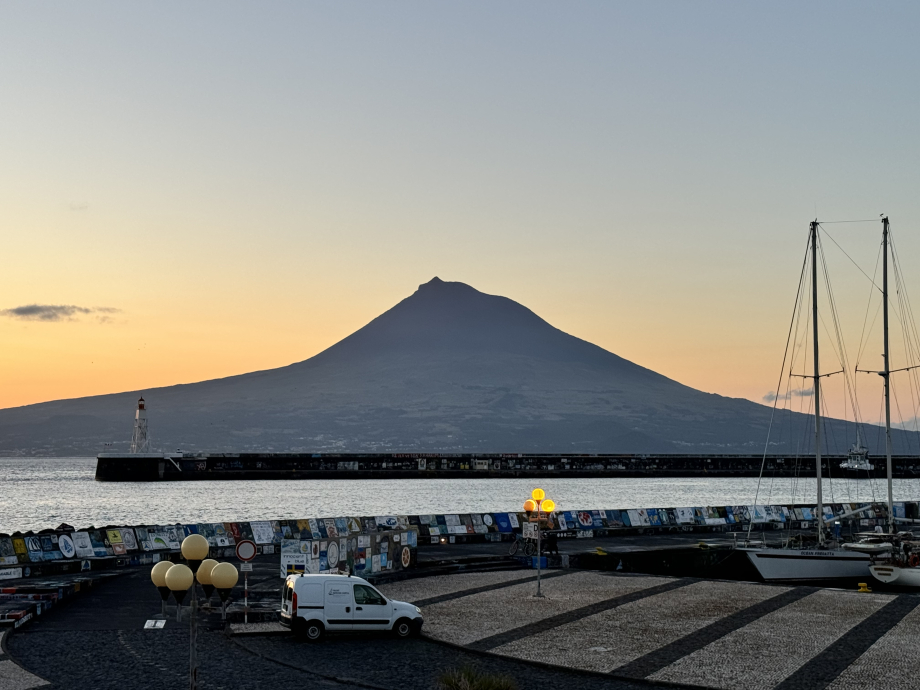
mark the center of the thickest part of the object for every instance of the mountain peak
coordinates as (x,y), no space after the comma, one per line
(436,285)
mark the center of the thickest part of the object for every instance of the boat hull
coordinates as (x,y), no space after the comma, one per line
(894,574)
(808,565)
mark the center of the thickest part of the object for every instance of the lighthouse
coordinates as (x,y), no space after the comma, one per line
(140,441)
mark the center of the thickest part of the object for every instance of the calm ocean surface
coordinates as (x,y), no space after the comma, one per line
(44,492)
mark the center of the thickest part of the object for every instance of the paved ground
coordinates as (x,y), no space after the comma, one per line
(705,633)
(98,642)
(621,630)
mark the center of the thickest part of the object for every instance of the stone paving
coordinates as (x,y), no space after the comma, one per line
(891,662)
(426,588)
(13,676)
(625,633)
(469,619)
(714,634)
(597,631)
(783,640)
(98,642)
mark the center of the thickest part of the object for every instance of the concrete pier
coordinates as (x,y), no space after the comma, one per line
(203,466)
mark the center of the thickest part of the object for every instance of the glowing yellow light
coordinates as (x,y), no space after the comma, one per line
(529,506)
(548,505)
(538,494)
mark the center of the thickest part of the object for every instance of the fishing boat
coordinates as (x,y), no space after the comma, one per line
(824,558)
(857,464)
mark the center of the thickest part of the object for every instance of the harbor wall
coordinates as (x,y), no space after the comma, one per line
(227,466)
(369,546)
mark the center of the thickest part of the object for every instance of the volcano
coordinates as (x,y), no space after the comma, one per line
(448,369)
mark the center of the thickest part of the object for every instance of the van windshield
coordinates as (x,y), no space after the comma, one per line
(368,595)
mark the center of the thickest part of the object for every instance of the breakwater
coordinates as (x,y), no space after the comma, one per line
(379,544)
(227,466)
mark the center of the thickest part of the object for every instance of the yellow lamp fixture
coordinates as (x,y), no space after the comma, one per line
(530,506)
(538,494)
(204,576)
(158,573)
(179,578)
(204,571)
(548,505)
(195,549)
(158,576)
(224,577)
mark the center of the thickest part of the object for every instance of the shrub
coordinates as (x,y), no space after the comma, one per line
(469,678)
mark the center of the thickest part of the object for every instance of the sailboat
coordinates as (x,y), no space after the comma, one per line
(903,566)
(826,559)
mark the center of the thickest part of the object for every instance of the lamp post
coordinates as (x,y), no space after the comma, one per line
(179,579)
(204,578)
(224,577)
(540,504)
(158,576)
(195,550)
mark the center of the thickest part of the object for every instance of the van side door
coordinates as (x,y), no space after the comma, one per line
(340,605)
(372,610)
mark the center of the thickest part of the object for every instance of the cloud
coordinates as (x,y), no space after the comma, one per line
(795,393)
(57,312)
(78,205)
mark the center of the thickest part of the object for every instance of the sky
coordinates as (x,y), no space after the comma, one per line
(208,189)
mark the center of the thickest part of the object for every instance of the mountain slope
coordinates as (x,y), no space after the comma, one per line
(447,369)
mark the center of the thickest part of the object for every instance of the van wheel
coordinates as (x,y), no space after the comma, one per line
(403,628)
(311,631)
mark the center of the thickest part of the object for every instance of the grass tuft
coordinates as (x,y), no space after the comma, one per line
(469,678)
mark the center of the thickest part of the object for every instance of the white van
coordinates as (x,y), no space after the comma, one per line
(313,604)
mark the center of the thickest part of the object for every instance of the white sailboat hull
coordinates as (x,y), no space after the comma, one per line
(890,574)
(803,564)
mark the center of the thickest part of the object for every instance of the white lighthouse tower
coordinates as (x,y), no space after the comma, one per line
(140,441)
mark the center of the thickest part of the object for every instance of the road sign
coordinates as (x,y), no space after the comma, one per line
(246,550)
(530,530)
(246,567)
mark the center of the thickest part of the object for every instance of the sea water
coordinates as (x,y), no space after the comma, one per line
(44,492)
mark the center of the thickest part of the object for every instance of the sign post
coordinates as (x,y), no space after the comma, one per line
(246,551)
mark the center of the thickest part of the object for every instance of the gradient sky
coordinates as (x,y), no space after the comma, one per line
(247,183)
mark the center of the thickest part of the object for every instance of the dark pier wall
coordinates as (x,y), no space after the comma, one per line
(203,466)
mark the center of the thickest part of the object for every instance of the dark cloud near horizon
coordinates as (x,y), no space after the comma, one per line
(797,393)
(56,312)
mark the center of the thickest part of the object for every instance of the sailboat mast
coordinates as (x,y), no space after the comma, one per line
(886,374)
(817,386)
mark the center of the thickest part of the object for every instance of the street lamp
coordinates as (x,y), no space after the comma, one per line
(204,577)
(194,550)
(224,577)
(540,504)
(158,576)
(179,579)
